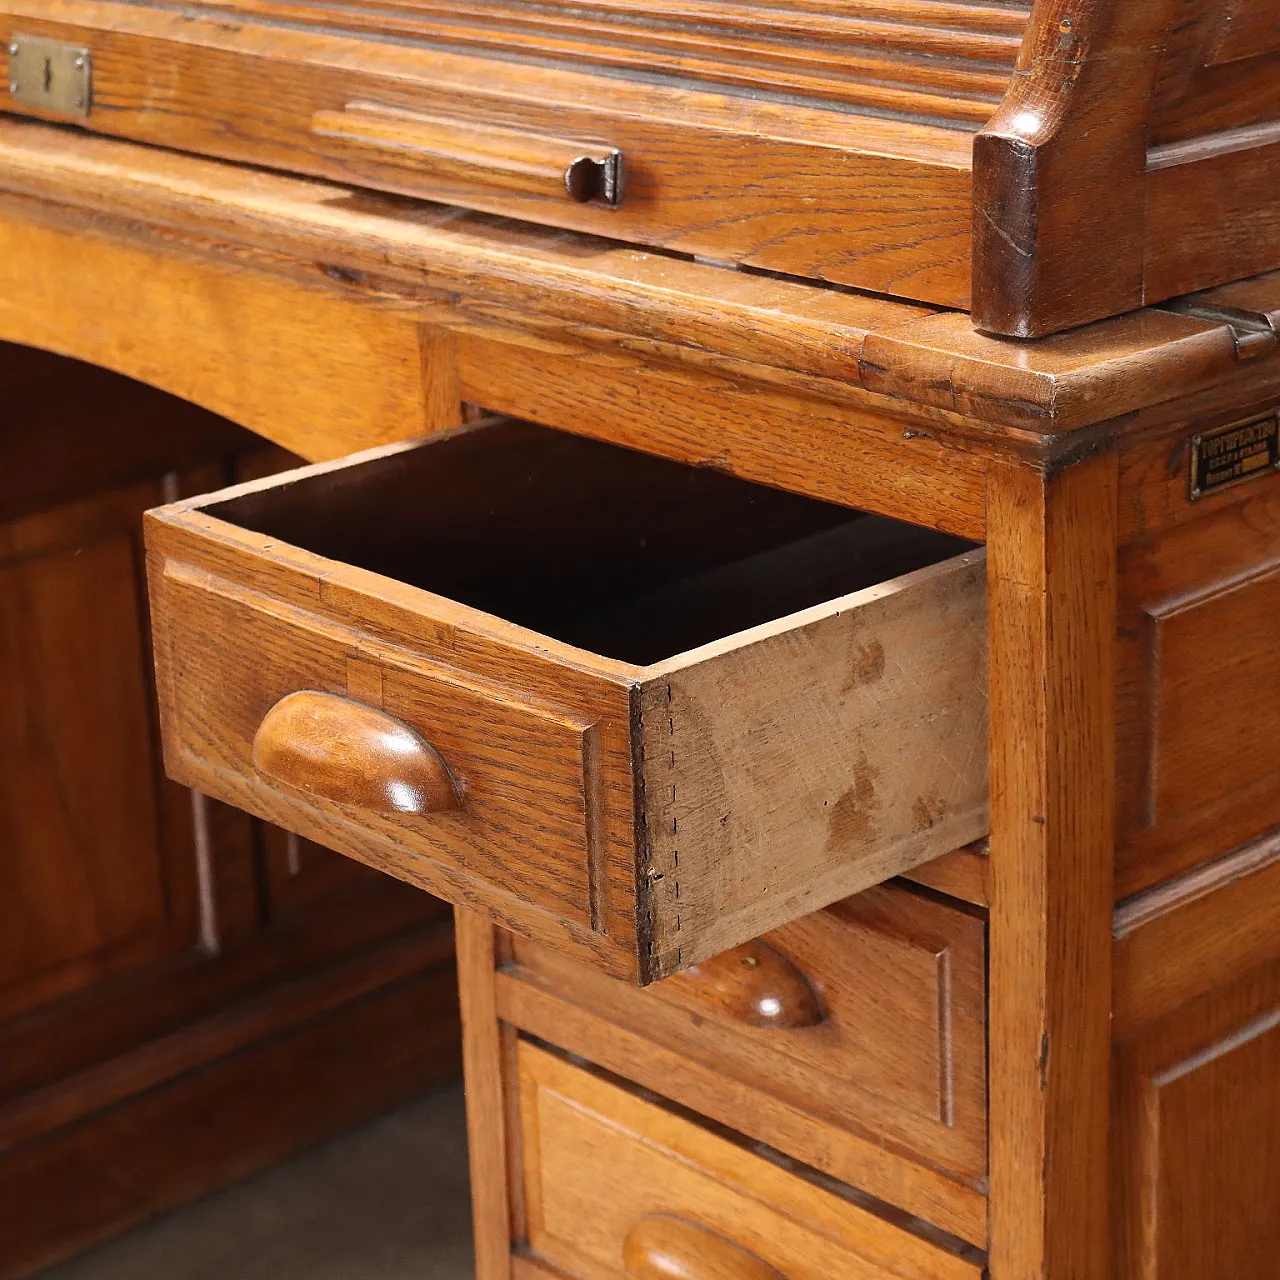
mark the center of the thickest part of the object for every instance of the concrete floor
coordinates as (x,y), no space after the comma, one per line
(388,1202)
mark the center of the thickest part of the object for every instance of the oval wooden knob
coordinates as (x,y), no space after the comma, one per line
(351,754)
(758,985)
(663,1247)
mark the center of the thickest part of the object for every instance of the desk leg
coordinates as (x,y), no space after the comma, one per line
(1052,589)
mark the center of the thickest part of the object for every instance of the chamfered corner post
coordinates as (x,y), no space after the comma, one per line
(1052,596)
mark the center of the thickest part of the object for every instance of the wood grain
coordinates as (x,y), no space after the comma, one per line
(1198,692)
(320,376)
(273,1097)
(786,765)
(898,1055)
(159,957)
(247,91)
(529,644)
(528,311)
(598,1159)
(1051,572)
(491,1142)
(964,873)
(352,755)
(662,1246)
(1196,1146)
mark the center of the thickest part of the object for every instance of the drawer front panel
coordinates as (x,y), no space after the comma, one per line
(869,1015)
(613,1181)
(528,773)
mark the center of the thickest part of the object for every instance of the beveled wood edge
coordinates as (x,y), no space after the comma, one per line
(192,515)
(963,874)
(907,1181)
(359,245)
(1052,585)
(1197,931)
(189,518)
(881,1241)
(278,1009)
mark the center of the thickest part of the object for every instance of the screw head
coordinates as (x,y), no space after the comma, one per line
(14,49)
(79,63)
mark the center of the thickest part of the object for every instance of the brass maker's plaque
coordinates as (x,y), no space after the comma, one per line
(1235,453)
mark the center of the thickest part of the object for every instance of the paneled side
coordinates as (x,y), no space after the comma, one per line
(84,866)
(1199,688)
(1219,70)
(1196,1136)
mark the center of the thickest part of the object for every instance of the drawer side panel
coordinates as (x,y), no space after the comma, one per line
(815,758)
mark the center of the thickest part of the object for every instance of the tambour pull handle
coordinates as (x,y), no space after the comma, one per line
(756,984)
(354,755)
(489,155)
(662,1246)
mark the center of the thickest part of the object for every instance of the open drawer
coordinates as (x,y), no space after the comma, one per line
(640,711)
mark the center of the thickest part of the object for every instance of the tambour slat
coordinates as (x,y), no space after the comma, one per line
(925,58)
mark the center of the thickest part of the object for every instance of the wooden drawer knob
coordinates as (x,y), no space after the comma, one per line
(758,985)
(351,754)
(663,1247)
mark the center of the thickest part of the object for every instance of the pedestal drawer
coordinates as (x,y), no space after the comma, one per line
(637,710)
(854,1039)
(617,1187)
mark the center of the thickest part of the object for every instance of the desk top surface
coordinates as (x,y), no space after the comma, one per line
(818,339)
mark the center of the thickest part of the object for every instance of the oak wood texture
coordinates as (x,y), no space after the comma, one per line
(600,1164)
(288,1086)
(964,873)
(1084,151)
(488,1056)
(248,90)
(1199,685)
(352,755)
(757,985)
(662,1246)
(574,331)
(892,1076)
(742,704)
(158,951)
(1151,126)
(1196,1145)
(307,371)
(1052,581)
(508,159)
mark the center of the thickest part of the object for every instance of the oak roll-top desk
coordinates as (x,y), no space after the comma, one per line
(851,740)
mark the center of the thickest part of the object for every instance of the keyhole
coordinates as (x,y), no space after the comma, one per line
(48,75)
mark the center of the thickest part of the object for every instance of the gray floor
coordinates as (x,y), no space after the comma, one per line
(388,1202)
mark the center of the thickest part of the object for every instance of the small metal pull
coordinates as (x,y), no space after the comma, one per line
(445,151)
(53,77)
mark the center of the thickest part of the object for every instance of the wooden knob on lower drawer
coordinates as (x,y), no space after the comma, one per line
(348,753)
(662,1246)
(758,985)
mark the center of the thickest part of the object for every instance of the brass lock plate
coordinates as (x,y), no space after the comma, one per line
(54,77)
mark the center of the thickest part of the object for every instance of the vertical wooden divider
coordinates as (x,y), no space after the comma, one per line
(441,395)
(487,1112)
(1052,591)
